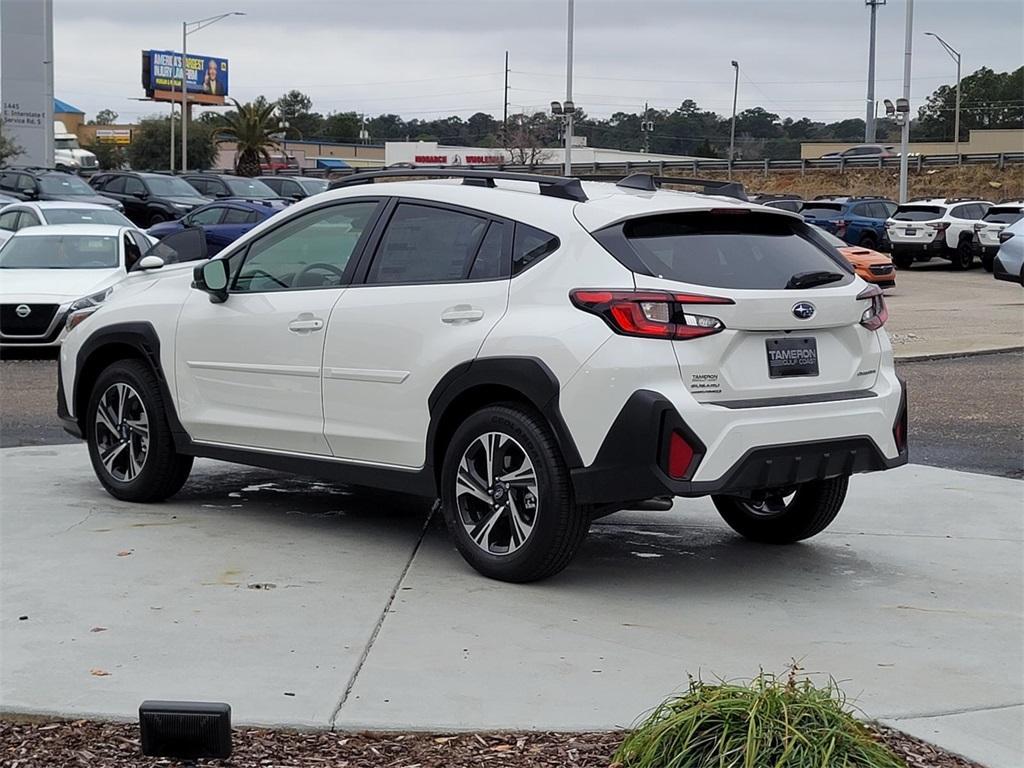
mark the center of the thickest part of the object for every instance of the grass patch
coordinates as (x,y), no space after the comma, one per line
(770,722)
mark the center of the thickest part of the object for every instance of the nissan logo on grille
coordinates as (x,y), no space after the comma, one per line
(23,311)
(803,310)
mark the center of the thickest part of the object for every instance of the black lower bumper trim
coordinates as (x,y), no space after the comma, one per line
(619,476)
(69,423)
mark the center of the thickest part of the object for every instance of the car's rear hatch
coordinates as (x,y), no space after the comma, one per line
(917,224)
(822,213)
(789,324)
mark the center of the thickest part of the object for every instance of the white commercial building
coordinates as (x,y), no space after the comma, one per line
(430,153)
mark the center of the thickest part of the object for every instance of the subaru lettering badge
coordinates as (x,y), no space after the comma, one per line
(23,311)
(803,310)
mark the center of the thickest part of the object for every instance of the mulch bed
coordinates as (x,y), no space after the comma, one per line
(90,744)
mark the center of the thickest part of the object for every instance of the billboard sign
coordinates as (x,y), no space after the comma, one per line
(114,136)
(203,74)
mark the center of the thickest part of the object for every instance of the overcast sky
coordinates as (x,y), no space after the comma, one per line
(433,58)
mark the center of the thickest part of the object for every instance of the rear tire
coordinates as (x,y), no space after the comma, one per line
(157,218)
(129,438)
(783,521)
(963,256)
(507,496)
(868,241)
(988,261)
(902,260)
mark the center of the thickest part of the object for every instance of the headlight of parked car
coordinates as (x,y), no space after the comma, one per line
(82,308)
(182,206)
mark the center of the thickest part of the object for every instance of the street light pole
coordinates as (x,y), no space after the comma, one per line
(568,94)
(732,129)
(905,137)
(869,117)
(955,55)
(185,32)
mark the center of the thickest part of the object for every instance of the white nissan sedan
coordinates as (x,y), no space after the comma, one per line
(47,269)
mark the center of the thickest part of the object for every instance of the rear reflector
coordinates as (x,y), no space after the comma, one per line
(680,456)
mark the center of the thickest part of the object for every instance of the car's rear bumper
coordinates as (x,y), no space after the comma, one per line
(930,248)
(855,433)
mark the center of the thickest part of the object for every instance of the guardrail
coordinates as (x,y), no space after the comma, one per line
(918,162)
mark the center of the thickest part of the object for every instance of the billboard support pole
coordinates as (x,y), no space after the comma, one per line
(184,96)
(172,137)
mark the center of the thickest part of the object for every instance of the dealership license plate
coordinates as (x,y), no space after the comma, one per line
(911,231)
(792,357)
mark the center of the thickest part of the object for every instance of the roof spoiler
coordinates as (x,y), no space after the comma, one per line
(564,187)
(649,183)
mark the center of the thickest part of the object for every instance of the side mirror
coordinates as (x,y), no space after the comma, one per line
(296,197)
(212,277)
(142,195)
(151,261)
(31,194)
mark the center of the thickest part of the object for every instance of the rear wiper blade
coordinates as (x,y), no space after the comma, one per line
(811,279)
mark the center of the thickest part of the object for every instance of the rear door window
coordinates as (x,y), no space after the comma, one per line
(728,250)
(426,245)
(207,216)
(133,186)
(919,212)
(238,216)
(115,184)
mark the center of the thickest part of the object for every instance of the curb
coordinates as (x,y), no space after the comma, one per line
(951,355)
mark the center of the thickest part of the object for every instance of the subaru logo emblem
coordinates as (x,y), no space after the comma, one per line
(23,311)
(803,310)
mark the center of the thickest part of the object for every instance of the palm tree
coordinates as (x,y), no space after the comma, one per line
(251,126)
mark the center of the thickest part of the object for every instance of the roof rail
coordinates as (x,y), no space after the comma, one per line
(951,200)
(775,196)
(831,197)
(564,187)
(1006,200)
(867,197)
(919,198)
(649,183)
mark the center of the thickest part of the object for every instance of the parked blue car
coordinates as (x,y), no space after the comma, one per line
(222,222)
(857,220)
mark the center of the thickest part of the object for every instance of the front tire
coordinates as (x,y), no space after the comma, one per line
(988,261)
(782,518)
(507,496)
(129,438)
(157,218)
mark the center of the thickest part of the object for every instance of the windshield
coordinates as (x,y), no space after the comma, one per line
(1003,215)
(822,210)
(253,188)
(170,187)
(85,216)
(312,186)
(727,250)
(65,143)
(918,212)
(64,184)
(60,252)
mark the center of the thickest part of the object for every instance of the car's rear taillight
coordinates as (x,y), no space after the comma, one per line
(978,226)
(940,228)
(1004,236)
(873,317)
(651,314)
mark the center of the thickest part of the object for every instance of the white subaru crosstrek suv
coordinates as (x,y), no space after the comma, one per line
(927,227)
(535,360)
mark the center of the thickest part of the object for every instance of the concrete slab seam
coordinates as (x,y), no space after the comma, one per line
(949,712)
(380,621)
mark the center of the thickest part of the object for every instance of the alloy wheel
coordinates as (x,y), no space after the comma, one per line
(496,493)
(122,432)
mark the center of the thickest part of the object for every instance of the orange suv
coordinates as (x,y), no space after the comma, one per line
(872,266)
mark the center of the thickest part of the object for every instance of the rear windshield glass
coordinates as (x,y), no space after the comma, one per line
(822,210)
(1003,215)
(918,212)
(728,250)
(64,184)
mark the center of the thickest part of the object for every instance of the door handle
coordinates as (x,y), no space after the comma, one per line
(305,324)
(462,313)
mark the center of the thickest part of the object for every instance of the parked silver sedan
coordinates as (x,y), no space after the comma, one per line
(1009,262)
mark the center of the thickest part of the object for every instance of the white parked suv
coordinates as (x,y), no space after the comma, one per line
(987,231)
(927,227)
(534,360)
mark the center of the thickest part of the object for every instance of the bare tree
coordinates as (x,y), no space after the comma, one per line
(525,138)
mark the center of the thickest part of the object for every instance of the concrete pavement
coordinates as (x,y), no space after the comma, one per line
(304,605)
